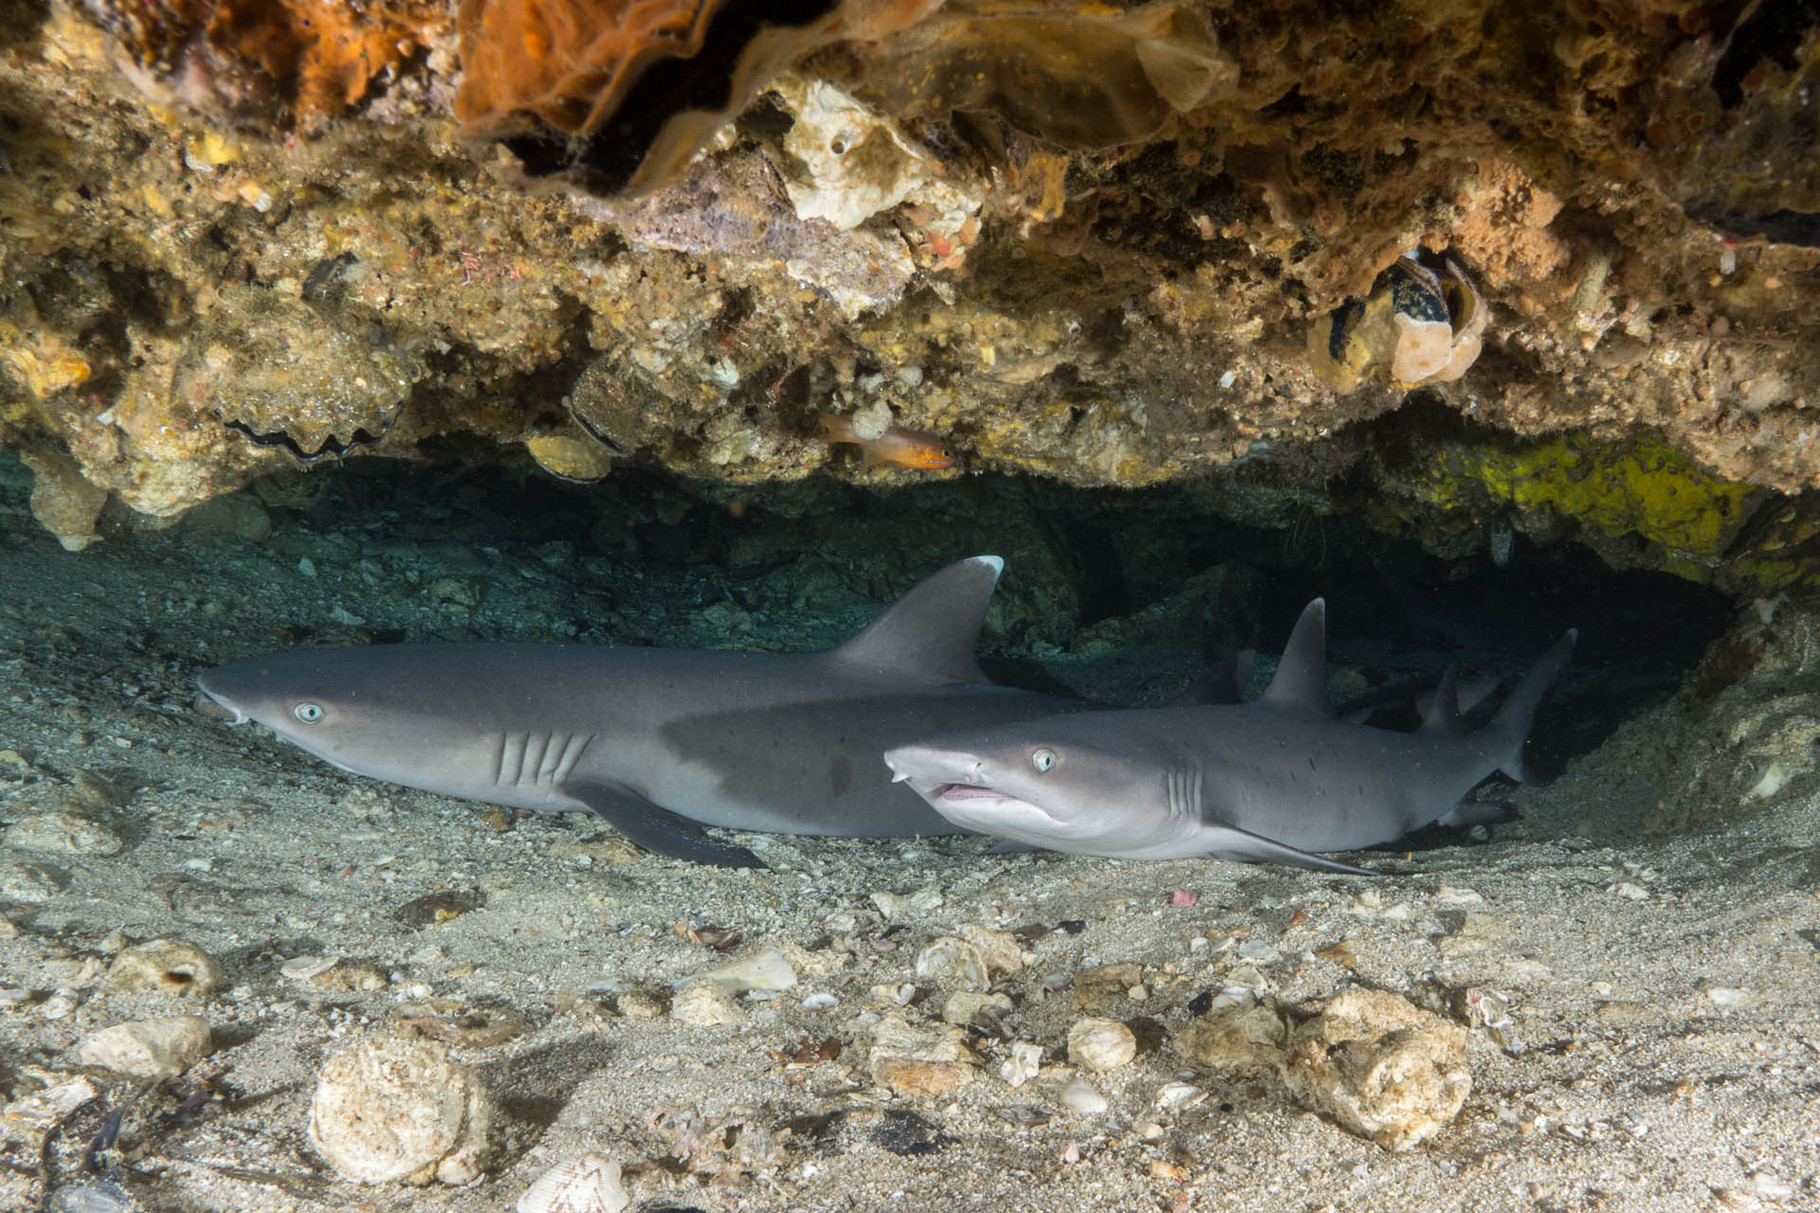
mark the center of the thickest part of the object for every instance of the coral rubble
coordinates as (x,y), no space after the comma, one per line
(1083,240)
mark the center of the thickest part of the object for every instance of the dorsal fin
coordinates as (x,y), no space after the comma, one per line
(1301,678)
(931,632)
(1443,715)
(1225,683)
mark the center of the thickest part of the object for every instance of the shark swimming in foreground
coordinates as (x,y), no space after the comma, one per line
(655,741)
(1272,781)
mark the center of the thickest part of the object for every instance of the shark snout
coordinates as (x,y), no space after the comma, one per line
(211,702)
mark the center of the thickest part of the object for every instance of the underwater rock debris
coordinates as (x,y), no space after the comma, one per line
(1422,323)
(266,58)
(621,93)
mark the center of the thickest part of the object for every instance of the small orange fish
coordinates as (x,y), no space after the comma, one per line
(905,448)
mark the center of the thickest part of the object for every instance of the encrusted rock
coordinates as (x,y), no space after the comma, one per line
(950,961)
(63,833)
(388,1109)
(1000,949)
(1101,1044)
(148,1048)
(166,966)
(1246,1038)
(920,1061)
(63,500)
(1381,1067)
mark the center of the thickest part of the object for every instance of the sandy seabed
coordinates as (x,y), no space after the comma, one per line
(1662,1049)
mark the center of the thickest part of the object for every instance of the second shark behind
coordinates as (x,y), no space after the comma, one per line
(1274,781)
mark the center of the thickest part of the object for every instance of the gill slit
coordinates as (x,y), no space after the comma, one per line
(537,759)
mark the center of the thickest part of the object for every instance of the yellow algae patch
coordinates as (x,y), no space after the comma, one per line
(1640,486)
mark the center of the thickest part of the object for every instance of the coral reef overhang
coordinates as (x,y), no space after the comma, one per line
(234,247)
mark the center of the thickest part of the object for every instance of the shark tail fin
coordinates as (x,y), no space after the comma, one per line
(930,633)
(1509,729)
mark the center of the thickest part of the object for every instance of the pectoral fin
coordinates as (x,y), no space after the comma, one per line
(1242,846)
(656,829)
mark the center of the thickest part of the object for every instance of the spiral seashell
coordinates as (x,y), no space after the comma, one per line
(588,1184)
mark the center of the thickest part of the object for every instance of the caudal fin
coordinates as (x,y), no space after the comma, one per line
(1505,736)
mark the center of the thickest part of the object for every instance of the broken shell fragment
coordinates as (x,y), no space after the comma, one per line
(588,1184)
(1422,323)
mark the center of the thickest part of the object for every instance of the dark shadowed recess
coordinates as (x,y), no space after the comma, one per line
(1127,561)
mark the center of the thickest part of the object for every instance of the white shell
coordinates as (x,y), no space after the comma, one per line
(588,1184)
(817,1004)
(1080,1098)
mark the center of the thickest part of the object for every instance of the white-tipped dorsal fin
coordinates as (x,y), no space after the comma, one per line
(1301,678)
(1443,715)
(929,634)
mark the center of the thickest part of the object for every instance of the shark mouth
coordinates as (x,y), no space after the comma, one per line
(964,794)
(968,791)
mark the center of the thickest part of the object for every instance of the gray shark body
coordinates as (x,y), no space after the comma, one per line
(655,741)
(1278,780)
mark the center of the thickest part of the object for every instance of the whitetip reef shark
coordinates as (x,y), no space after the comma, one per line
(1274,781)
(655,741)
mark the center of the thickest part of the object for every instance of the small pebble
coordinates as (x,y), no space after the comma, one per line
(1080,1098)
(1179,1095)
(303,968)
(150,1048)
(1101,1044)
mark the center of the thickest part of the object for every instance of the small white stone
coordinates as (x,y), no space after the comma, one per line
(589,1184)
(820,1004)
(1080,1098)
(148,1048)
(1101,1044)
(1179,1095)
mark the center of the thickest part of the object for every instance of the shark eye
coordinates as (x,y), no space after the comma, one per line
(1043,759)
(308,713)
